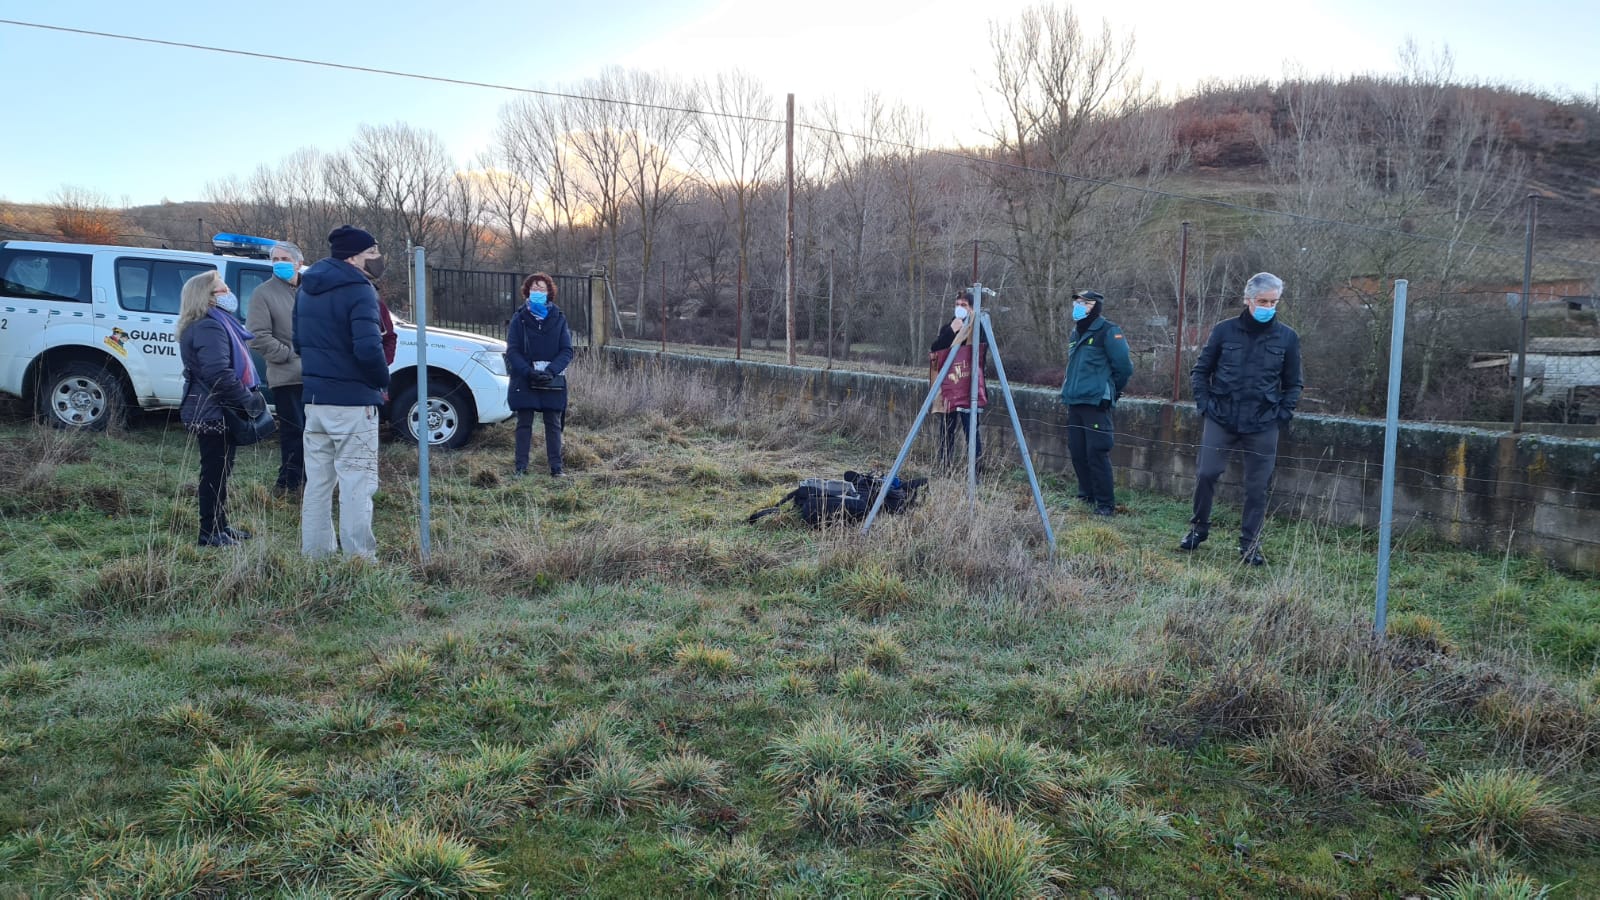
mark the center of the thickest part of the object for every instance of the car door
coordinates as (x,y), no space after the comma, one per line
(149,293)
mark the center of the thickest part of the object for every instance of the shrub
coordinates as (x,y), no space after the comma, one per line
(231,790)
(1497,886)
(1105,824)
(833,810)
(352,720)
(858,683)
(884,653)
(403,671)
(189,720)
(571,746)
(131,582)
(405,860)
(705,661)
(691,776)
(824,747)
(871,592)
(974,849)
(1504,807)
(1420,632)
(1001,767)
(739,868)
(148,870)
(26,676)
(616,782)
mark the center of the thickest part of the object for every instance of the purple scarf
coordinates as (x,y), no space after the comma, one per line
(243,366)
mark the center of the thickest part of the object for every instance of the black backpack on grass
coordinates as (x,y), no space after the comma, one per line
(822,500)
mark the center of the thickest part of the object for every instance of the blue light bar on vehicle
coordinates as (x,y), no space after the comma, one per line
(242,244)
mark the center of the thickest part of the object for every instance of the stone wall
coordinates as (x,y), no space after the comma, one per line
(1476,488)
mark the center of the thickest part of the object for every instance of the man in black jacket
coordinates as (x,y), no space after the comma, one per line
(1246,384)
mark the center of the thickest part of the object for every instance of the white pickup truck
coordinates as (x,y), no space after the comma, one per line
(88,333)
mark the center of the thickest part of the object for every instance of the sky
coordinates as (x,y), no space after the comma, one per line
(140,123)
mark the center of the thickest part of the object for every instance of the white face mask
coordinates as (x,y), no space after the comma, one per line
(228,303)
(962,312)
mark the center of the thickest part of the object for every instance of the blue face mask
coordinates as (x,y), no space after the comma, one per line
(1263,313)
(1079,312)
(284,270)
(536,303)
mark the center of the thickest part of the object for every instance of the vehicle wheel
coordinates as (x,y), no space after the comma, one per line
(80,394)
(450,417)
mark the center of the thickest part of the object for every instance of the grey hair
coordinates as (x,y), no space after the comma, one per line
(292,250)
(1260,283)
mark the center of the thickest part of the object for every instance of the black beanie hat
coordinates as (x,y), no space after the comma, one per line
(347,240)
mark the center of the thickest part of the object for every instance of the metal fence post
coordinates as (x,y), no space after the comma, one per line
(1527,290)
(424,404)
(599,325)
(1183,292)
(1391,437)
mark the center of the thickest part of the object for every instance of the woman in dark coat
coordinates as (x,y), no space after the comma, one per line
(538,349)
(217,372)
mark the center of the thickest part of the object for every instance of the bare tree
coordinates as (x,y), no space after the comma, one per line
(655,126)
(737,142)
(464,212)
(532,144)
(1068,101)
(400,177)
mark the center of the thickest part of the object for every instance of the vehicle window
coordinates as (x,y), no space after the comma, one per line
(43,275)
(154,285)
(248,279)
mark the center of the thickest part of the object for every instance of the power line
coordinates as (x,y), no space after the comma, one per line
(1082,179)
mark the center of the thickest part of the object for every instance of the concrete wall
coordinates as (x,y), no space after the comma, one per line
(1472,487)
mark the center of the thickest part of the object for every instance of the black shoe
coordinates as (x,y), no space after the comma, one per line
(559,475)
(1251,556)
(518,473)
(220,539)
(1105,511)
(238,534)
(1192,540)
(1085,500)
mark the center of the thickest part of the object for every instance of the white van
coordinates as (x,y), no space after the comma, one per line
(88,333)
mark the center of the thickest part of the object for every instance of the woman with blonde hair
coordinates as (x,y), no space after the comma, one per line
(217,372)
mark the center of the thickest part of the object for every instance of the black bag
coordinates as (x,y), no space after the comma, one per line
(547,381)
(823,500)
(253,423)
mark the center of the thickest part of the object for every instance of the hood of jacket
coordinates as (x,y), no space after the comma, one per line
(331,274)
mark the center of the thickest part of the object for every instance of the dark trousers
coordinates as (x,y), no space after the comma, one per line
(949,453)
(1090,437)
(554,421)
(291,427)
(216,464)
(1259,453)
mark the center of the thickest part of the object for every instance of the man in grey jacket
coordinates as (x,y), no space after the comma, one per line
(271,320)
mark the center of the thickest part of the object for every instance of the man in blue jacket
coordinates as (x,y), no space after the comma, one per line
(1246,384)
(1098,368)
(344,374)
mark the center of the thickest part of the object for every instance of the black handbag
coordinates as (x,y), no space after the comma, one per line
(253,423)
(551,382)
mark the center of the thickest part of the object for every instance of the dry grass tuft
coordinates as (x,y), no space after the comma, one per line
(1237,700)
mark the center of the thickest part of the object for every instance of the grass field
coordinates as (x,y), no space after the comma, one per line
(613,686)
